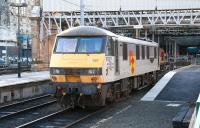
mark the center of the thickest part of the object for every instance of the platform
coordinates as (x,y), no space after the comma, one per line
(30,84)
(178,85)
(184,86)
(27,77)
(181,85)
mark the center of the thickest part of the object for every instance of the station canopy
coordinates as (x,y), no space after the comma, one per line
(116,5)
(177,20)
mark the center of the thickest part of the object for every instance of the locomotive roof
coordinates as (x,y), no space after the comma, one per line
(95,31)
(136,41)
(86,31)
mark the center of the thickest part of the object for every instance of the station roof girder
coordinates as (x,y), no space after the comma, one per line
(131,18)
(123,19)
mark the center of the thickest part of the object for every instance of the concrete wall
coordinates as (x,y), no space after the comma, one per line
(12,93)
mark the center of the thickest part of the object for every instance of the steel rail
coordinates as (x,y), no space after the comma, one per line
(24,101)
(26,125)
(82,118)
(42,118)
(27,109)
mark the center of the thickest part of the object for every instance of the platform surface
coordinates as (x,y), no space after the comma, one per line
(27,77)
(178,85)
(184,86)
(154,92)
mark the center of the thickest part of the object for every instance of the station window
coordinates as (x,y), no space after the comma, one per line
(110,47)
(137,52)
(143,52)
(148,52)
(155,52)
(125,53)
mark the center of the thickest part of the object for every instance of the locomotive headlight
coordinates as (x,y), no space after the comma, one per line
(57,71)
(95,71)
(91,71)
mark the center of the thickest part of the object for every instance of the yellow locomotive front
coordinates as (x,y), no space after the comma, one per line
(76,67)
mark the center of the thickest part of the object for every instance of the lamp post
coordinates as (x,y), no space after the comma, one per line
(19,5)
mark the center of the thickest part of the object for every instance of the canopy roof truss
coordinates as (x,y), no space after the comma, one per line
(132,19)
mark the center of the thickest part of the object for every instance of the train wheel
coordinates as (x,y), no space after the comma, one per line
(130,86)
(62,101)
(111,98)
(65,101)
(117,96)
(58,96)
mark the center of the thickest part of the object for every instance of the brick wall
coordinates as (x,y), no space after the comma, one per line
(41,51)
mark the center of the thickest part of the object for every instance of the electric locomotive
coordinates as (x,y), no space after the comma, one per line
(91,66)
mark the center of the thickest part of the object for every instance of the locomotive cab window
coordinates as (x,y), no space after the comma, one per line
(66,45)
(79,45)
(137,52)
(125,54)
(90,45)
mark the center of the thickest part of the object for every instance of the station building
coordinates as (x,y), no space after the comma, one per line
(9,29)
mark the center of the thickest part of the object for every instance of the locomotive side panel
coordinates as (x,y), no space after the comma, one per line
(129,64)
(126,60)
(147,64)
(109,69)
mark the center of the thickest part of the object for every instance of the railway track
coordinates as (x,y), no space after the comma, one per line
(62,119)
(17,107)
(13,70)
(18,113)
(65,118)
(43,112)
